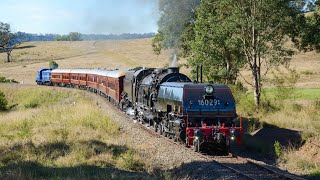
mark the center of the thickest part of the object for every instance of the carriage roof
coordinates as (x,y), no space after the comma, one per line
(115,73)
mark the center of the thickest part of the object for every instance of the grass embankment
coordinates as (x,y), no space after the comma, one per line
(54,133)
(300,111)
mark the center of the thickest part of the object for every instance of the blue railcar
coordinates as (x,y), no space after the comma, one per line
(44,77)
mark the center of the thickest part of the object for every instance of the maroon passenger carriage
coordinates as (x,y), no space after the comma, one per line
(107,82)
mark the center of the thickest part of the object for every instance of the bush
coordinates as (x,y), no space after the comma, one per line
(53,65)
(4,80)
(3,102)
(316,104)
(129,161)
(72,36)
(277,149)
(285,84)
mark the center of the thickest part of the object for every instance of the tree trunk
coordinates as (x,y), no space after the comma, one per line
(256,90)
(8,57)
(228,70)
(255,65)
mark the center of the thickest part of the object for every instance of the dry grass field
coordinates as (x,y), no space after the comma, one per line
(52,133)
(301,113)
(85,54)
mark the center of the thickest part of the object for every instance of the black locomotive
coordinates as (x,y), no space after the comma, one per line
(198,114)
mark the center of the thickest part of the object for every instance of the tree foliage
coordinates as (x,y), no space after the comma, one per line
(309,37)
(175,17)
(72,36)
(228,34)
(53,65)
(210,41)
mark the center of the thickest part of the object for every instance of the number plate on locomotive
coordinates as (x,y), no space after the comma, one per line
(208,102)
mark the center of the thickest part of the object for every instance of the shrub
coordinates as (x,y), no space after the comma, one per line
(297,107)
(129,161)
(53,65)
(316,104)
(277,149)
(3,102)
(307,72)
(4,80)
(285,84)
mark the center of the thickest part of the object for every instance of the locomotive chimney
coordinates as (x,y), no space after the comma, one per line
(197,73)
(201,73)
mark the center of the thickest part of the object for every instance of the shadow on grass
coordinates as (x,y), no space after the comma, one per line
(24,47)
(101,147)
(34,170)
(259,144)
(18,47)
(14,162)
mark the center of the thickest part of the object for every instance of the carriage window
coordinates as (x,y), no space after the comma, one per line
(111,85)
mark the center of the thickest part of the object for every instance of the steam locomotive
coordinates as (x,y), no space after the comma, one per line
(201,115)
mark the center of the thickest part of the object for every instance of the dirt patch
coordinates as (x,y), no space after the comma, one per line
(312,149)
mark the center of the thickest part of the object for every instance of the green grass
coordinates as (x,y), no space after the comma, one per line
(300,93)
(316,173)
(24,98)
(54,133)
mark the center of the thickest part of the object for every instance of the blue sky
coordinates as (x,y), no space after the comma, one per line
(84,16)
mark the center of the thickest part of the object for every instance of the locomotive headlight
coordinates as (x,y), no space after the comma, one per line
(209,89)
(232,134)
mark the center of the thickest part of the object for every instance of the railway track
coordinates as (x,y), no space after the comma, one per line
(248,169)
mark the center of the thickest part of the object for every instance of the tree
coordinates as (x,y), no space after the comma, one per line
(72,36)
(309,37)
(210,42)
(53,65)
(175,17)
(7,39)
(249,32)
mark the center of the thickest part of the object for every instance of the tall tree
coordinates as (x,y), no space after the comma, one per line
(247,30)
(7,39)
(210,41)
(309,37)
(175,15)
